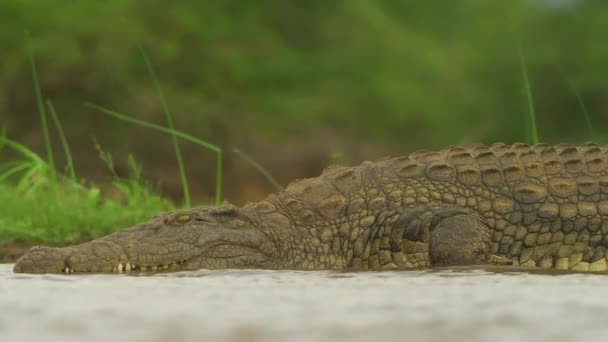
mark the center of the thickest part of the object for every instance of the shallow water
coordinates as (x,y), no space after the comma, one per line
(468,305)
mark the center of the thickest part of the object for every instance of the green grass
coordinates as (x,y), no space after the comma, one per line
(43,205)
(47,206)
(78,213)
(42,113)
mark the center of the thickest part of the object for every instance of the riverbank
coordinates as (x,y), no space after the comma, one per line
(9,253)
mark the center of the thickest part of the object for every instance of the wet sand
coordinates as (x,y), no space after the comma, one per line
(448,305)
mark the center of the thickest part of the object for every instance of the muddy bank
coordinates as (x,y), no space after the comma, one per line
(9,253)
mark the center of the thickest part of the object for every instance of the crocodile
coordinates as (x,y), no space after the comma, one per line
(541,206)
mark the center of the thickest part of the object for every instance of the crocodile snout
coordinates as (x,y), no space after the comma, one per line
(41,260)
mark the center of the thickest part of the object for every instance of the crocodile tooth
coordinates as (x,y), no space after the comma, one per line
(67,270)
(128,267)
(142,268)
(119,268)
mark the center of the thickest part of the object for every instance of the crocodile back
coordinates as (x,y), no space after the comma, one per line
(543,202)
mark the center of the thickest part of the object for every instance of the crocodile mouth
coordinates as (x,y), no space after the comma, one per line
(231,257)
(219,256)
(128,267)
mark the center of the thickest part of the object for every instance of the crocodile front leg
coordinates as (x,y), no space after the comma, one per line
(460,239)
(455,235)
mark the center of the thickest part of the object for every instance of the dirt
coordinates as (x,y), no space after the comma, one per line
(9,253)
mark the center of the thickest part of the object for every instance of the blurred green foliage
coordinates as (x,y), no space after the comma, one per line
(398,75)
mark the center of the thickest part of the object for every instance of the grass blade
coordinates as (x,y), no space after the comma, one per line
(64,141)
(2,135)
(106,158)
(171,125)
(32,180)
(259,168)
(42,112)
(581,103)
(10,164)
(14,170)
(218,178)
(153,126)
(181,135)
(586,114)
(531,130)
(21,149)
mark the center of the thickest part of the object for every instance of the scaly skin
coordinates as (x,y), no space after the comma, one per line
(544,206)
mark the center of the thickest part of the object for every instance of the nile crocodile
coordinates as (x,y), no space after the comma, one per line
(541,205)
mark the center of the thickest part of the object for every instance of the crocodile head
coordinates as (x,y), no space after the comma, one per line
(206,237)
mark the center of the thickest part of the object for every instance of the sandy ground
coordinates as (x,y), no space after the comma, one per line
(469,305)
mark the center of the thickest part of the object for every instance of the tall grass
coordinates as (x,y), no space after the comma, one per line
(217,150)
(40,204)
(32,168)
(175,134)
(178,134)
(79,212)
(43,119)
(170,125)
(64,141)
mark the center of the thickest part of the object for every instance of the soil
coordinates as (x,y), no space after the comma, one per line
(9,253)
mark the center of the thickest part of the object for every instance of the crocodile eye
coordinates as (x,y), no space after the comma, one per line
(183,218)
